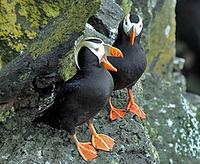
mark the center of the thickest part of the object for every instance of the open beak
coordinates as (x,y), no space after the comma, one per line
(132,38)
(115,52)
(111,51)
(107,65)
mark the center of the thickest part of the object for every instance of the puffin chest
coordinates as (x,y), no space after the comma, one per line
(98,89)
(133,66)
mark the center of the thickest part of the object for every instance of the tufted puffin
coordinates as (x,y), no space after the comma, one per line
(82,96)
(131,66)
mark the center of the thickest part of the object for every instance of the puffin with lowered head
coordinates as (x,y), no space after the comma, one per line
(81,97)
(131,66)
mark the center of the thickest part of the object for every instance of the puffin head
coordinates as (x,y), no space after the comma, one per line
(98,48)
(132,26)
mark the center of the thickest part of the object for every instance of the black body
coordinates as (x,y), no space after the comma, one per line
(81,97)
(132,65)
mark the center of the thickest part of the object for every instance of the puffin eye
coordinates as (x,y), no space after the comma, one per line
(126,23)
(140,25)
(97,49)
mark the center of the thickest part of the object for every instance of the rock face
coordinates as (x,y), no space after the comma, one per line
(29,82)
(22,21)
(21,141)
(37,67)
(173,120)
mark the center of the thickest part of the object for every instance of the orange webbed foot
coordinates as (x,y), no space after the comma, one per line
(134,108)
(102,142)
(87,151)
(116,113)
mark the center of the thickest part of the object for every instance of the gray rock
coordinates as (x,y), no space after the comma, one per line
(22,141)
(171,125)
(172,120)
(107,19)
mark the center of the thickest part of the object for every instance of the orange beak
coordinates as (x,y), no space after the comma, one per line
(107,65)
(114,52)
(132,38)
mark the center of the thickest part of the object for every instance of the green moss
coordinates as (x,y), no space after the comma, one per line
(10,31)
(1,63)
(126,6)
(24,76)
(29,9)
(161,37)
(5,115)
(21,19)
(16,45)
(67,64)
(73,20)
(30,34)
(50,9)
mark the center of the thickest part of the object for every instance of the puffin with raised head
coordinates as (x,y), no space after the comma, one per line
(83,96)
(131,66)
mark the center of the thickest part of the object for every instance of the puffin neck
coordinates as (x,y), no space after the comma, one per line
(87,59)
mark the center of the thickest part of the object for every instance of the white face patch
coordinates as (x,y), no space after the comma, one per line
(97,48)
(128,26)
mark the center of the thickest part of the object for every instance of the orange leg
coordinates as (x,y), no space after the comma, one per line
(100,141)
(86,150)
(115,113)
(133,107)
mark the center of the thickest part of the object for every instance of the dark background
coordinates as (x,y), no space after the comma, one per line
(188,41)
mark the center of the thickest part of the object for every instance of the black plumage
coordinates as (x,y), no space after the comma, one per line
(130,67)
(82,96)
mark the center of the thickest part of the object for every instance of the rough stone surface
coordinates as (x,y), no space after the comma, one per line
(173,120)
(21,141)
(173,115)
(28,144)
(22,20)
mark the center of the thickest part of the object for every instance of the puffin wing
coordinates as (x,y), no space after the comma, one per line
(68,89)
(48,116)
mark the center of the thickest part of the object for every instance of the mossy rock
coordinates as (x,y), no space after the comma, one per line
(48,54)
(23,20)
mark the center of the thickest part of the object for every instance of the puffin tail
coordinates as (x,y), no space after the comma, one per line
(39,119)
(47,117)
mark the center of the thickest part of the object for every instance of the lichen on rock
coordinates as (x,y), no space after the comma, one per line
(172,123)
(7,114)
(1,63)
(72,21)
(126,6)
(67,63)
(21,21)
(169,135)
(161,37)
